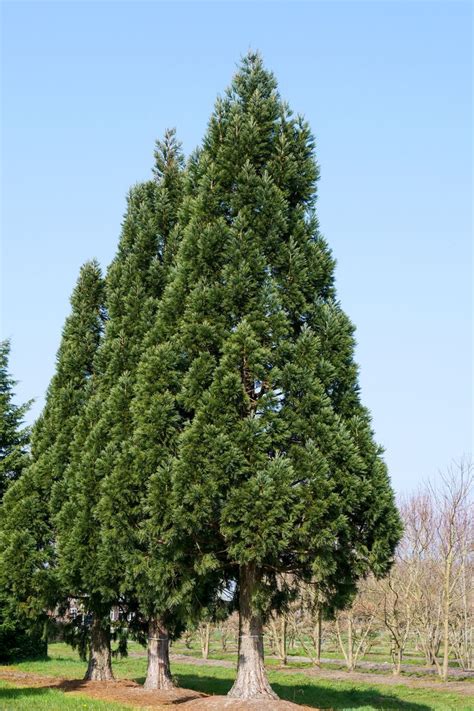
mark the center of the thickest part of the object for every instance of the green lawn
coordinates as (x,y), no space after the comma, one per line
(24,699)
(341,695)
(378,653)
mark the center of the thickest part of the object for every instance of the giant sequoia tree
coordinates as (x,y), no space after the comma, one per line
(27,534)
(104,490)
(122,506)
(264,455)
(169,591)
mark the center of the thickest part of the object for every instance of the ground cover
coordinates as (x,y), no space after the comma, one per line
(315,689)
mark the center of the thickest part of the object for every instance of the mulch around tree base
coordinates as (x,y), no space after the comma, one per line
(126,691)
(223,703)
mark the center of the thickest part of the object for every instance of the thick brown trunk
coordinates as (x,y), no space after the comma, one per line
(158,675)
(100,658)
(251,682)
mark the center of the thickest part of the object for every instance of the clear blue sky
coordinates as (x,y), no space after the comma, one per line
(88,87)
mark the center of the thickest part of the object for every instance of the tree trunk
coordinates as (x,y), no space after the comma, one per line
(99,667)
(205,636)
(397,661)
(158,675)
(446,611)
(283,642)
(319,629)
(350,647)
(252,681)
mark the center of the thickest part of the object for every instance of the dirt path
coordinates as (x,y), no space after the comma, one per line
(131,694)
(386,666)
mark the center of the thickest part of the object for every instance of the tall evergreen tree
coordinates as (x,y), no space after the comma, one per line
(27,536)
(264,455)
(166,593)
(104,487)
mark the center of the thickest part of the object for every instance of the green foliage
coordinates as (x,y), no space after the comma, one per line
(14,437)
(18,640)
(27,536)
(248,406)
(215,421)
(98,522)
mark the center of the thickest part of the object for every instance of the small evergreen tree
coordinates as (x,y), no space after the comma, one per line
(264,457)
(18,639)
(27,534)
(14,437)
(97,521)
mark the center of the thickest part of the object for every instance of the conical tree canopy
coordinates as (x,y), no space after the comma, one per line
(14,436)
(102,493)
(249,379)
(28,536)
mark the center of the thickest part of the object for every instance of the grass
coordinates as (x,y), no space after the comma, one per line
(325,693)
(14,698)
(313,691)
(378,653)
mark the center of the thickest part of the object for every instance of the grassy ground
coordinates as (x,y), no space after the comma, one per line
(24,699)
(378,653)
(341,695)
(328,694)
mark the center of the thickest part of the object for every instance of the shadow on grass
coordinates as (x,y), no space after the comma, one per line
(15,692)
(320,696)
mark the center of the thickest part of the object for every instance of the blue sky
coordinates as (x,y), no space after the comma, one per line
(88,87)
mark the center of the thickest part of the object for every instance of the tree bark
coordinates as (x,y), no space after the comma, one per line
(446,611)
(397,661)
(319,628)
(158,674)
(283,642)
(252,681)
(205,634)
(99,667)
(350,647)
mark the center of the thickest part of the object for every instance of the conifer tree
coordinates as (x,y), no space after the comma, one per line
(169,593)
(105,488)
(27,536)
(14,437)
(265,462)
(17,639)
